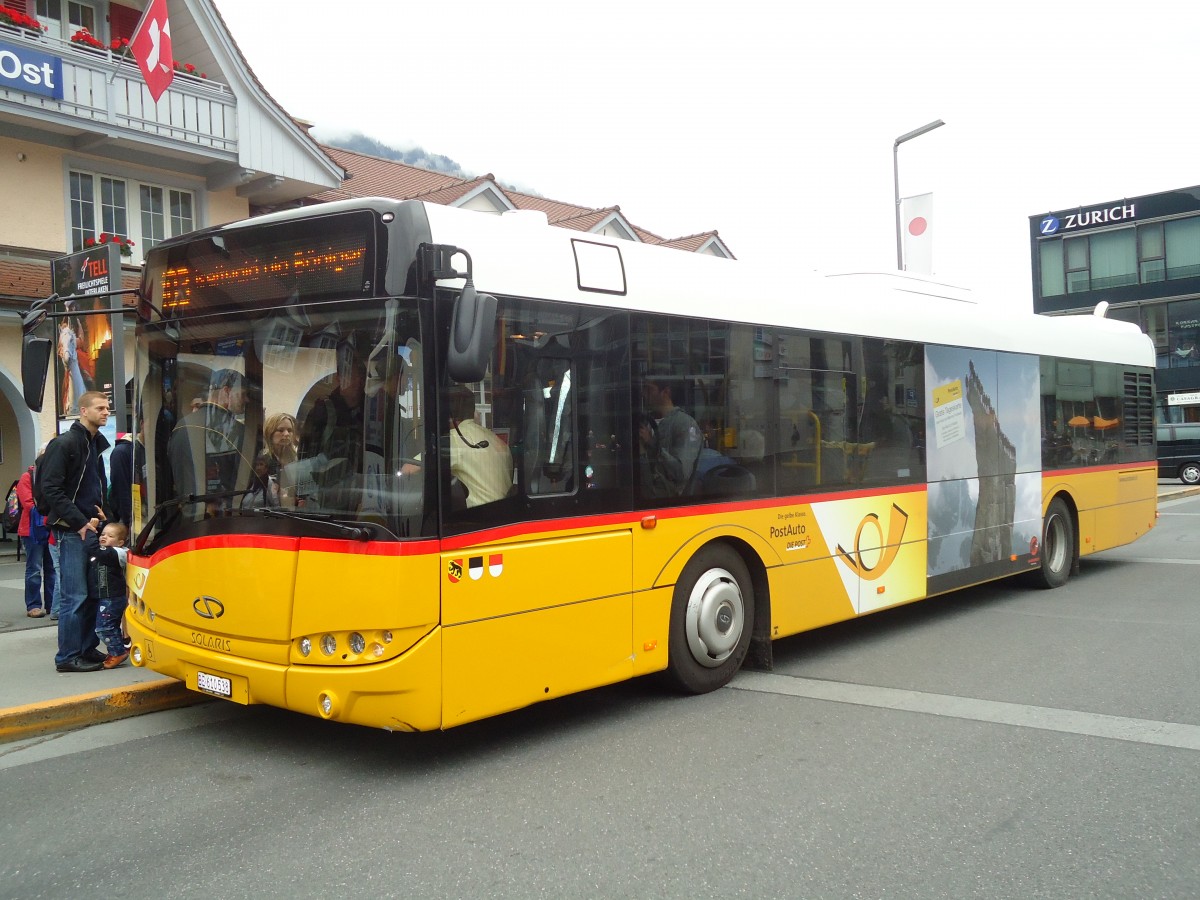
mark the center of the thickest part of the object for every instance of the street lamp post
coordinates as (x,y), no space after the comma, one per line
(916,132)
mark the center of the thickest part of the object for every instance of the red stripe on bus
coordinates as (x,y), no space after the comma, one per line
(502,533)
(276,542)
(506,532)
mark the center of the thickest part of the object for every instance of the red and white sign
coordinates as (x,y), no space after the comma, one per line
(916,229)
(151,47)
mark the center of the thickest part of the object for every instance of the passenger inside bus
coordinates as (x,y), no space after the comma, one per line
(479,459)
(205,447)
(332,435)
(670,440)
(279,450)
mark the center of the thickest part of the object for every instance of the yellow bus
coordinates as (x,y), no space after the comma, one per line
(410,466)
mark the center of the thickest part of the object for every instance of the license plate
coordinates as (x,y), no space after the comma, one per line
(214,684)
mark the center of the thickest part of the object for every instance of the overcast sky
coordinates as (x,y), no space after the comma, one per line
(771,122)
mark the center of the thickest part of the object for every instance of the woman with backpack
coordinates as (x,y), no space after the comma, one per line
(35,538)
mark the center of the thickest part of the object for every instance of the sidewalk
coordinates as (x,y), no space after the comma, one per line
(35,699)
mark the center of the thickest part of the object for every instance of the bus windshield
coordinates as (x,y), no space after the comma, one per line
(301,415)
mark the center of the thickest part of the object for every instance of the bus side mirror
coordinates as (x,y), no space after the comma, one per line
(35,365)
(471,329)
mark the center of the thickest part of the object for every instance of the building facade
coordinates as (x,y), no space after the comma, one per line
(1141,255)
(87,156)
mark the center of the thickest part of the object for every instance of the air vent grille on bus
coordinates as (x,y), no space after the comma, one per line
(1138,409)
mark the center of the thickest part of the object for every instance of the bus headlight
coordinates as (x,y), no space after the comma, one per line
(350,648)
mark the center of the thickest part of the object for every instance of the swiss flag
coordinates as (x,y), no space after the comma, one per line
(151,47)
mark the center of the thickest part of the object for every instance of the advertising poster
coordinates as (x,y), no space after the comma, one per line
(984,498)
(83,346)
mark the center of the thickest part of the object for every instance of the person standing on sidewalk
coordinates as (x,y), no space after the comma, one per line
(72,481)
(127,475)
(106,572)
(35,538)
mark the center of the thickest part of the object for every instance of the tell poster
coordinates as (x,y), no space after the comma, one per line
(84,344)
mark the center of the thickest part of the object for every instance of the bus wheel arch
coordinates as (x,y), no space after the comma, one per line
(719,597)
(1060,543)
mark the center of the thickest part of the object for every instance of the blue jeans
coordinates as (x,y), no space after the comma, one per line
(77,614)
(109,613)
(39,574)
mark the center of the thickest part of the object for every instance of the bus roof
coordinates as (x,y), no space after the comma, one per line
(521,255)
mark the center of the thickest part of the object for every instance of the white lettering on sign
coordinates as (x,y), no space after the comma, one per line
(12,67)
(1099,216)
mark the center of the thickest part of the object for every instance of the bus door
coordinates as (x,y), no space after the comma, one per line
(539,604)
(533,619)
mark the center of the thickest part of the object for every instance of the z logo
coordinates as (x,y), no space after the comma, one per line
(869,572)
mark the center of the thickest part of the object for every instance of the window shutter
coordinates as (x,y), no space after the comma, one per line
(121,21)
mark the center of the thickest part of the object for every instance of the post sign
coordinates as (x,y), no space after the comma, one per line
(30,71)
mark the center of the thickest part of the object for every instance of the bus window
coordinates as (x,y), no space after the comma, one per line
(350,379)
(553,416)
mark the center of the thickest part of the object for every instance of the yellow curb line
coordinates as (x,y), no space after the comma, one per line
(69,713)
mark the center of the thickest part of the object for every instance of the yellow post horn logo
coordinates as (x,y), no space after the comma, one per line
(869,572)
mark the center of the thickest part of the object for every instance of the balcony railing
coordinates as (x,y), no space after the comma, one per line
(194,111)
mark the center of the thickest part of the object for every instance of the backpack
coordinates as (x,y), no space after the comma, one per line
(39,531)
(12,509)
(40,502)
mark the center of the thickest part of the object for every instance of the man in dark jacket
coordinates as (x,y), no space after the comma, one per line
(128,460)
(332,436)
(72,481)
(205,449)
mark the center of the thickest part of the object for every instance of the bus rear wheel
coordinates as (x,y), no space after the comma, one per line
(1058,545)
(712,619)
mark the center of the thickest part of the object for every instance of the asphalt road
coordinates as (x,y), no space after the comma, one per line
(998,742)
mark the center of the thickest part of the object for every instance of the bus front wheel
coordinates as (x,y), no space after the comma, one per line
(712,619)
(1058,545)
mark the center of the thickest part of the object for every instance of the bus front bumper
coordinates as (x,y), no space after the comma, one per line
(401,694)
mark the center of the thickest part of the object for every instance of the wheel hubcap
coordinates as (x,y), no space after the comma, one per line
(715,617)
(1056,544)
